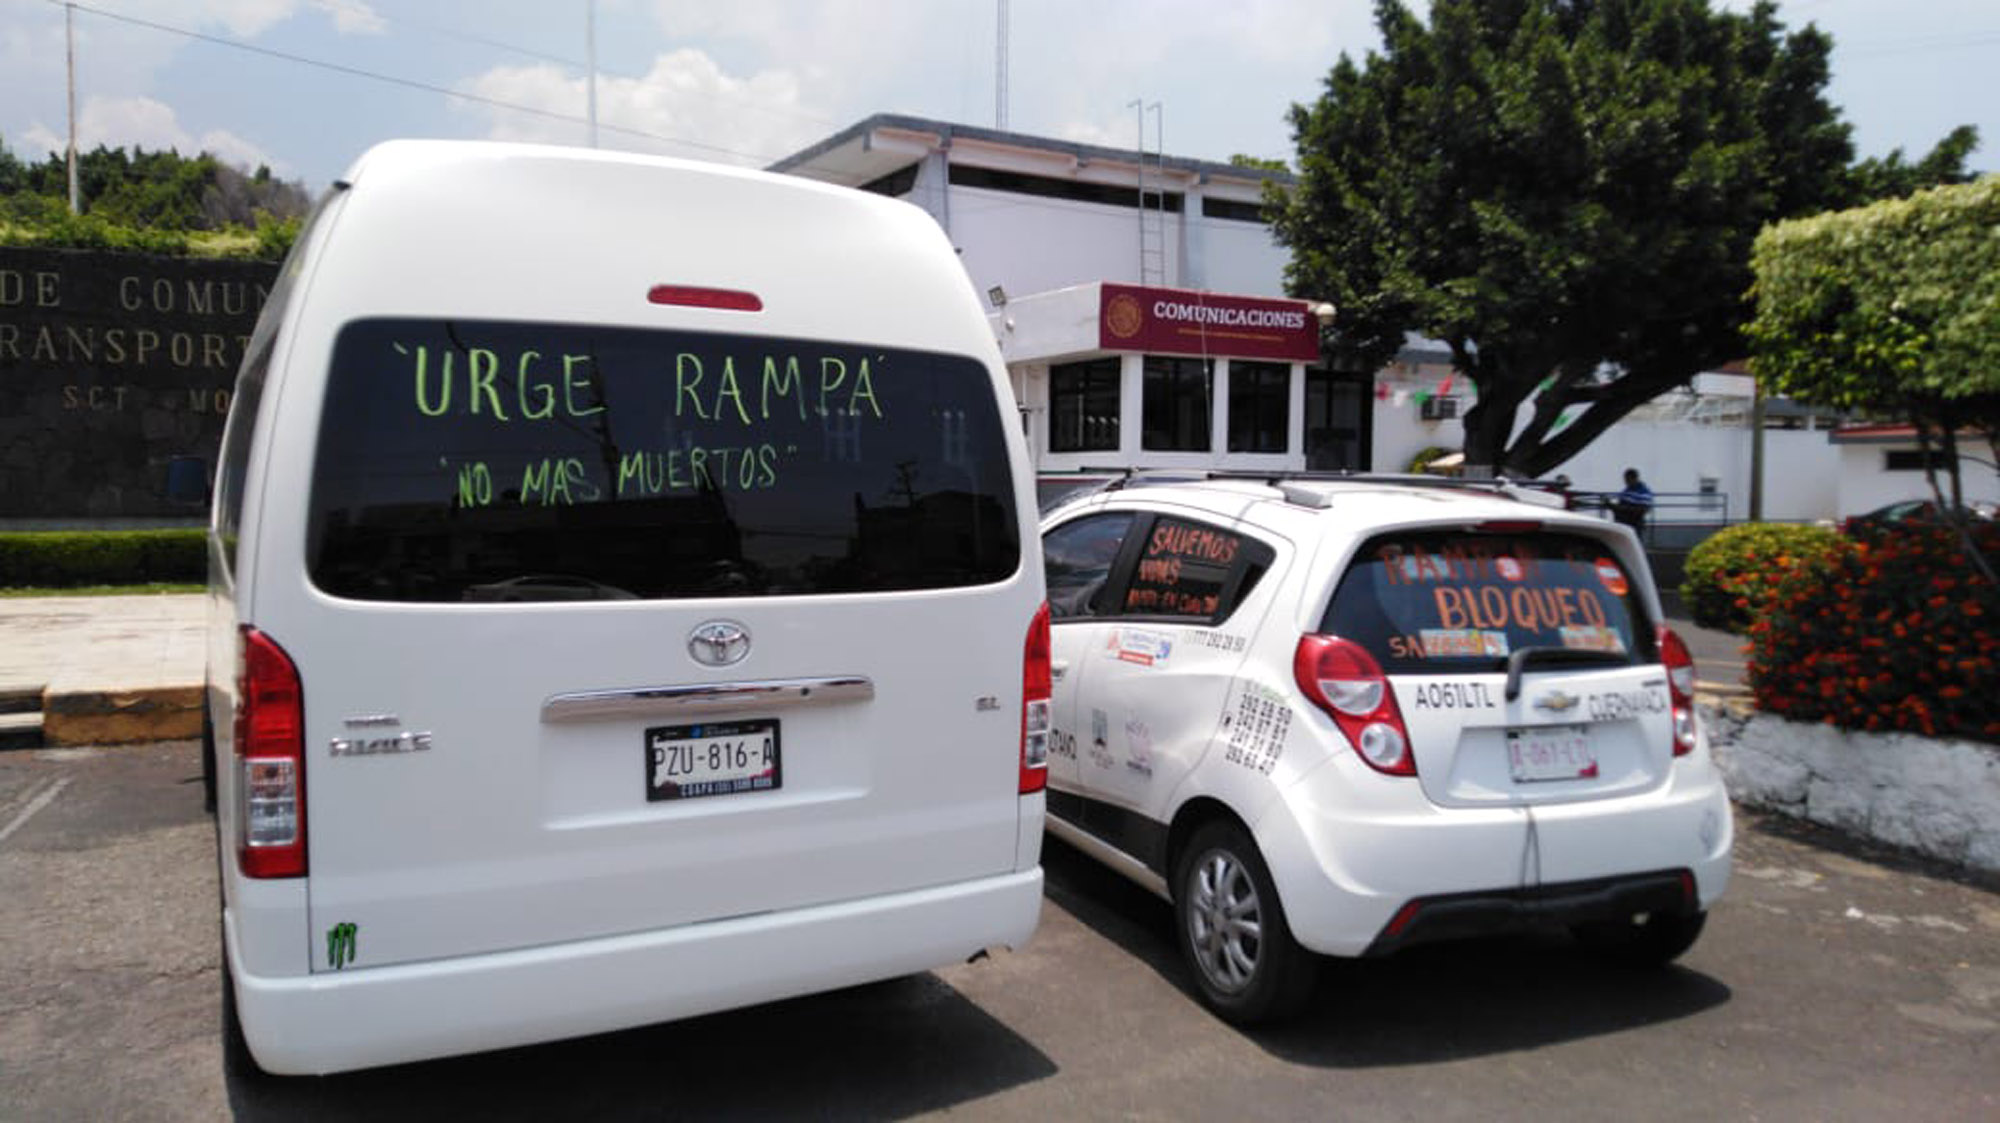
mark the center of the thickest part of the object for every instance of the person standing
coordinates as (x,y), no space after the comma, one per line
(1632,505)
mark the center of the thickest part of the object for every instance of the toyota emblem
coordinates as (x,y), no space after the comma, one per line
(719,643)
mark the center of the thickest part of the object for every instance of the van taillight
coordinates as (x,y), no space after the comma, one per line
(1036,686)
(270,757)
(1340,677)
(1680,688)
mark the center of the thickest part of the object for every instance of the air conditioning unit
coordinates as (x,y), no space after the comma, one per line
(1440,409)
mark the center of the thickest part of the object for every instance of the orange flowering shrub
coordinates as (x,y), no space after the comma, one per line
(1894,632)
(1733,573)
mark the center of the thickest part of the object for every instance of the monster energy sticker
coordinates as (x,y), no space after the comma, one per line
(340,943)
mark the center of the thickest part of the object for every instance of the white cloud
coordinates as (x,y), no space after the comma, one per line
(352,17)
(685,104)
(142,122)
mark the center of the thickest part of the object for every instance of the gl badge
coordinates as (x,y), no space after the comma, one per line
(719,643)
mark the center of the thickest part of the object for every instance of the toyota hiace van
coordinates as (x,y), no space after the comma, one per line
(625,606)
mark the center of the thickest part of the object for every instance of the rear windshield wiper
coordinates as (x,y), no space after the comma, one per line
(1519,660)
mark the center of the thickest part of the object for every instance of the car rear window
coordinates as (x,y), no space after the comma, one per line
(496,461)
(1436,602)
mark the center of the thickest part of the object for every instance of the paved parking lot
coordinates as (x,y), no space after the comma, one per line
(1832,984)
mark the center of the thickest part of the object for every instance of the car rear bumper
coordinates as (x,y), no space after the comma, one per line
(1454,916)
(333,1022)
(1351,850)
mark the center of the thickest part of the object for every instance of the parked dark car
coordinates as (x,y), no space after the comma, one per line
(1910,511)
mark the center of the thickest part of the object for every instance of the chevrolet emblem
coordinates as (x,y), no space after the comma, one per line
(1557,703)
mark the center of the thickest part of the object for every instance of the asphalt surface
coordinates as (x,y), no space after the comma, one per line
(1832,983)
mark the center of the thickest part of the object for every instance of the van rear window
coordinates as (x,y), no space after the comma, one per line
(488,461)
(1443,601)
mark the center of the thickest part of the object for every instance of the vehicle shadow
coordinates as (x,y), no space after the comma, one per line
(1436,1003)
(881,1051)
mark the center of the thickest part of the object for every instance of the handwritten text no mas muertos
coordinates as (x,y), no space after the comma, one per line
(734,401)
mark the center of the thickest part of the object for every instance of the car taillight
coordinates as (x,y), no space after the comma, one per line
(1680,688)
(1340,677)
(1036,686)
(270,756)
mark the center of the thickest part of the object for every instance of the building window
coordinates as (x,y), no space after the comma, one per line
(1232,209)
(1083,406)
(1177,398)
(1260,406)
(1914,460)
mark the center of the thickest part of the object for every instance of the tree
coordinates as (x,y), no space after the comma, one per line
(158,191)
(1564,192)
(1891,309)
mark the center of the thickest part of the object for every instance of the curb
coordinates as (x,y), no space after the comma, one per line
(115,717)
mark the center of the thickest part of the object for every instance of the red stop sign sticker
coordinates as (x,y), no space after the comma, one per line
(1612,577)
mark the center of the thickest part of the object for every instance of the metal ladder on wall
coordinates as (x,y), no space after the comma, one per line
(1152,198)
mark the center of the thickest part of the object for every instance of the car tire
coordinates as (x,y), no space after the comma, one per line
(1232,930)
(1652,941)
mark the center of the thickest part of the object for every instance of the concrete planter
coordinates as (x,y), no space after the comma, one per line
(1936,797)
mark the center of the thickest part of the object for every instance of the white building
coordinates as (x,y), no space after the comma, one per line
(1139,302)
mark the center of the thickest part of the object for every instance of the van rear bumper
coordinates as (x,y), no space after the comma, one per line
(334,1022)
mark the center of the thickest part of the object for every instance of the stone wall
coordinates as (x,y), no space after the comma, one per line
(115,371)
(1936,797)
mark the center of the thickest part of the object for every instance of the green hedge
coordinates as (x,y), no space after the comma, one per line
(58,558)
(1735,572)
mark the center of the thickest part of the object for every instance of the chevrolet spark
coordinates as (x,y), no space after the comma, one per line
(1343,717)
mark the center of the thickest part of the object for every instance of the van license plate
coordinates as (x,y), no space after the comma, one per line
(714,758)
(1550,752)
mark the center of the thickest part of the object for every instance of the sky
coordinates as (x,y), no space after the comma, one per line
(305,86)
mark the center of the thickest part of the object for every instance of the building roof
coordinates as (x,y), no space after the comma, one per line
(1886,434)
(867,150)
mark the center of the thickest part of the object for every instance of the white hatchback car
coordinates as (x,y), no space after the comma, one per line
(1347,716)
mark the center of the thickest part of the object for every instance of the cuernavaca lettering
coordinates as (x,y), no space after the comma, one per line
(1624,705)
(1453,696)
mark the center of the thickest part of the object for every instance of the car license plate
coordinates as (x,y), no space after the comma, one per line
(713,758)
(1550,752)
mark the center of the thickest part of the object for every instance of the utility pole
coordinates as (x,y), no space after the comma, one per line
(1000,75)
(590,55)
(69,50)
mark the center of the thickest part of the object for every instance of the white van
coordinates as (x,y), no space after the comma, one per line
(625,606)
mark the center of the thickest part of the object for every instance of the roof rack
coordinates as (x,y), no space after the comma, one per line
(1287,481)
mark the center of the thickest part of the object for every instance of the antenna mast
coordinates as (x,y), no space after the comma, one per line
(1000,72)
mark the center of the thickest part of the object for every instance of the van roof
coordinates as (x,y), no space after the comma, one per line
(545,233)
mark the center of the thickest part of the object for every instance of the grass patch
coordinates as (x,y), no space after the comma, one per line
(156,588)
